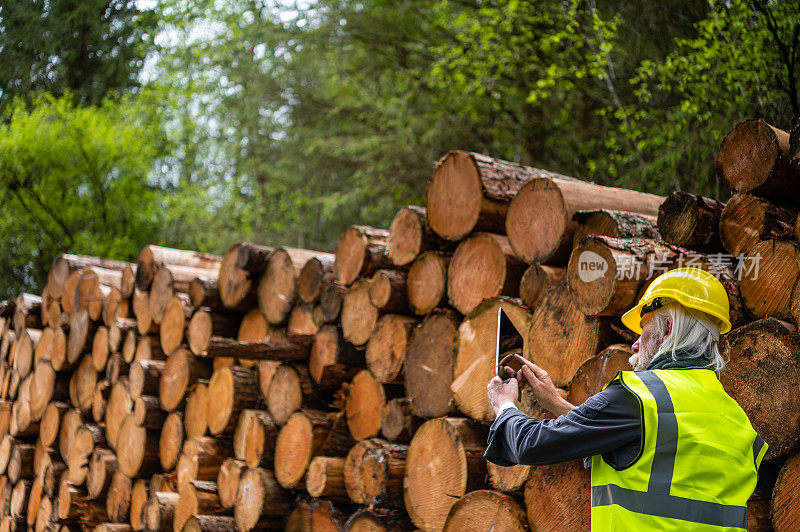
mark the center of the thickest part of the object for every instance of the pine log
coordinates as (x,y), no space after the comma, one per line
(20,462)
(195,498)
(763,377)
(755,158)
(317,273)
(173,323)
(482,267)
(427,281)
(19,498)
(230,390)
(100,348)
(118,406)
(325,478)
(102,466)
(365,399)
(387,347)
(204,292)
(444,461)
(159,512)
(276,287)
(139,497)
(241,266)
(290,389)
(81,334)
(768,274)
(302,321)
(306,434)
(201,459)
(194,420)
(115,307)
(746,220)
(128,350)
(118,498)
(208,523)
(45,387)
(398,423)
(537,280)
(94,286)
(359,315)
(44,345)
(170,282)
(598,371)
(254,439)
(85,382)
(137,449)
(69,423)
(330,302)
(259,495)
(691,221)
(378,520)
(277,346)
(360,252)
(430,365)
(539,224)
(616,224)
(557,497)
(74,505)
(147,412)
(144,378)
(86,438)
(486,510)
(141,310)
(181,370)
(51,422)
(784,510)
(64,265)
(388,292)
(128,281)
(25,346)
(373,473)
(151,258)
(474,365)
(149,348)
(170,442)
(230,473)
(410,236)
(332,360)
(206,324)
(27,312)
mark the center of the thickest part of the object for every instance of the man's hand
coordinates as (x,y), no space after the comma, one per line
(543,389)
(501,391)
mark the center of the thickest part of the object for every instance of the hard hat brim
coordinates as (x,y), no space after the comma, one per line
(633,320)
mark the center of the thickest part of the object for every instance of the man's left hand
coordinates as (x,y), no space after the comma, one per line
(501,391)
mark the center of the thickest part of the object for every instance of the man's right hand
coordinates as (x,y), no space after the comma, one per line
(543,389)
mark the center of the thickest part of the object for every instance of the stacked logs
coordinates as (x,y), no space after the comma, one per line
(277,388)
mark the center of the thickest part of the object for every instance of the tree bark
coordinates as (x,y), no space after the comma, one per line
(616,224)
(285,348)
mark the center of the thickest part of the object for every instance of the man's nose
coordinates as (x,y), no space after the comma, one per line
(635,345)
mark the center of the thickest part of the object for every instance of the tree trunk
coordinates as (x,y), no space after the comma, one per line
(208,523)
(259,495)
(746,220)
(360,252)
(373,473)
(230,390)
(317,273)
(537,280)
(332,360)
(482,267)
(486,510)
(325,478)
(755,158)
(616,224)
(359,315)
(427,281)
(410,236)
(387,348)
(691,221)
(598,371)
(474,365)
(430,365)
(277,346)
(557,497)
(444,461)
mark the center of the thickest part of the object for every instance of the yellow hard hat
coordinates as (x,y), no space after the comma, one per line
(691,287)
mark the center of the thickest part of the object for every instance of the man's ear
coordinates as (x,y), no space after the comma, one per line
(667,326)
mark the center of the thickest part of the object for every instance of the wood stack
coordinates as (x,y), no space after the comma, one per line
(277,388)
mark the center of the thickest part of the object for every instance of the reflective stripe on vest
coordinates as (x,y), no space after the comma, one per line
(657,501)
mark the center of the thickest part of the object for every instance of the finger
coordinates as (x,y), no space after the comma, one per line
(539,372)
(523,360)
(529,375)
(495,381)
(509,373)
(506,358)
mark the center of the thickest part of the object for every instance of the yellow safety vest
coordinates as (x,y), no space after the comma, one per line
(697,465)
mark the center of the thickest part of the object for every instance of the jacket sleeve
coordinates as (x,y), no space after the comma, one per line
(606,421)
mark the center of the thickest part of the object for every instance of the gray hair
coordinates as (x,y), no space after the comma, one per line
(694,333)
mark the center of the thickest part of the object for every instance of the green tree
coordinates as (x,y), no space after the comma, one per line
(74,179)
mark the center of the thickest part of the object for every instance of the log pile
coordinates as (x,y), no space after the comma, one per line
(278,388)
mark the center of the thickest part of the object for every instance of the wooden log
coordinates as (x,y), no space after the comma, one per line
(259,496)
(19,498)
(139,497)
(75,506)
(598,371)
(482,267)
(768,274)
(115,307)
(427,281)
(201,459)
(181,370)
(27,312)
(757,353)
(302,321)
(365,400)
(313,514)
(290,389)
(317,273)
(100,348)
(137,449)
(169,281)
(51,422)
(7,445)
(486,510)
(444,461)
(690,221)
(784,511)
(171,440)
(24,348)
(325,478)
(128,281)
(94,286)
(616,224)
(20,462)
(378,520)
(539,224)
(755,158)
(276,347)
(206,324)
(388,291)
(430,365)
(45,387)
(118,406)
(128,350)
(398,423)
(557,497)
(195,498)
(359,315)
(85,382)
(474,365)
(306,434)
(81,334)
(537,280)
(158,514)
(254,439)
(151,258)
(64,265)
(561,337)
(333,361)
(102,466)
(141,309)
(230,473)
(204,292)
(208,523)
(231,390)
(241,266)
(360,252)
(276,287)
(410,236)
(118,498)
(194,420)
(387,347)
(86,438)
(373,473)
(147,412)
(44,345)
(173,323)
(746,220)
(330,302)
(71,420)
(144,377)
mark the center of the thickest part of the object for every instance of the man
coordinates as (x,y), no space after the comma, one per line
(670,450)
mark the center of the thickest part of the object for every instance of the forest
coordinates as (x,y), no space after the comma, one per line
(201,123)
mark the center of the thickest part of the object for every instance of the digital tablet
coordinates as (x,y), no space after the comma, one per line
(509,340)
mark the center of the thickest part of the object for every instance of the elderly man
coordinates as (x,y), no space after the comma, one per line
(670,450)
